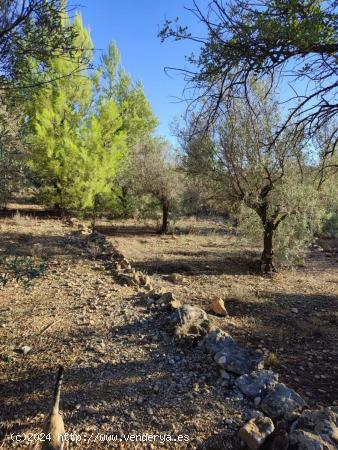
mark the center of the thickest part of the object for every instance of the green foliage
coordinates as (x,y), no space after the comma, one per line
(138,119)
(306,214)
(150,183)
(138,122)
(155,170)
(328,182)
(12,149)
(82,128)
(298,229)
(20,269)
(7,359)
(121,117)
(305,24)
(105,143)
(57,115)
(330,226)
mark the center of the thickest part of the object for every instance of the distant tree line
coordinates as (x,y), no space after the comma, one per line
(85,137)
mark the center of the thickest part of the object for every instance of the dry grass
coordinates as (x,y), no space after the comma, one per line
(273,360)
(22,220)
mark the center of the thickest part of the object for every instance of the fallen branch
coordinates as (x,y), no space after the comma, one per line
(47,327)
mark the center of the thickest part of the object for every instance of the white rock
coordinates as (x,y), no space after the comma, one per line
(255,432)
(23,350)
(221,360)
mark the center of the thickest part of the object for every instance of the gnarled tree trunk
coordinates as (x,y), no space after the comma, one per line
(124,200)
(165,215)
(267,264)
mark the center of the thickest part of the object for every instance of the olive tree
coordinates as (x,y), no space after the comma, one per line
(155,172)
(275,182)
(290,42)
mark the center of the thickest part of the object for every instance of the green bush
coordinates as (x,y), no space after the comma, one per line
(292,237)
(330,225)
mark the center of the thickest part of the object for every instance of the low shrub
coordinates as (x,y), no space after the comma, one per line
(20,269)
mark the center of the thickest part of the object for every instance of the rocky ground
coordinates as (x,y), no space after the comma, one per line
(125,373)
(293,315)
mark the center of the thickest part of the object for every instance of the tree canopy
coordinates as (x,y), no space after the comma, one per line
(56,114)
(32,29)
(155,172)
(137,115)
(291,41)
(82,124)
(276,184)
(12,148)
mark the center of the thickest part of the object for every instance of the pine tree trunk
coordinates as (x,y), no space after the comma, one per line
(60,211)
(94,212)
(165,216)
(267,255)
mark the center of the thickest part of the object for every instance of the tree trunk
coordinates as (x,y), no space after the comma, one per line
(93,221)
(124,201)
(165,216)
(267,255)
(95,211)
(60,211)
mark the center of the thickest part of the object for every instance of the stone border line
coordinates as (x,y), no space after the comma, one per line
(282,419)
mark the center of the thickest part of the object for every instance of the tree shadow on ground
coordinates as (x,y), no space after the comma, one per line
(275,313)
(127,230)
(219,263)
(45,246)
(30,212)
(114,387)
(203,230)
(146,230)
(303,342)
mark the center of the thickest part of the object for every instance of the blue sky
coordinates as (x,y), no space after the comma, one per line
(134,25)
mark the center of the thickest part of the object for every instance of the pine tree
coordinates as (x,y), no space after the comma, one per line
(82,126)
(116,84)
(105,142)
(138,120)
(57,116)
